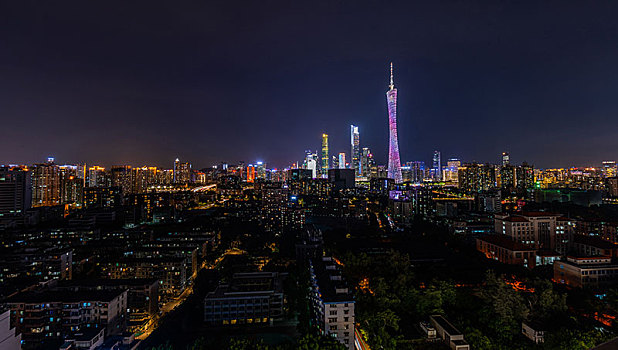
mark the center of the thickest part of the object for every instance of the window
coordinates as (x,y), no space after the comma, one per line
(333,328)
(332,320)
(333,312)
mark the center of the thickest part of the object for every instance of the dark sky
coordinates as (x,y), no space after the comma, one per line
(210,81)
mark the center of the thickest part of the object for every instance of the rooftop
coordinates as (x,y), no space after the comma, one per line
(505,242)
(446,325)
(64,297)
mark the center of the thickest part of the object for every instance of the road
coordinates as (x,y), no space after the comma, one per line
(359,342)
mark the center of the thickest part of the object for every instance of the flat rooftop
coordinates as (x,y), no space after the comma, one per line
(446,325)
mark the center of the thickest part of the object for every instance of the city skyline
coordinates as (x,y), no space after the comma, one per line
(165,94)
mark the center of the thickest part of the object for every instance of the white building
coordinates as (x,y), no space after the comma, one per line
(332,301)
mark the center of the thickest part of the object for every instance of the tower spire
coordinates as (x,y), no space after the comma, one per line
(392,85)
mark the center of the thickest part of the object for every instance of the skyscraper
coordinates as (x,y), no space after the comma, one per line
(342,160)
(325,166)
(355,154)
(394,163)
(182,172)
(15,192)
(311,162)
(506,159)
(437,165)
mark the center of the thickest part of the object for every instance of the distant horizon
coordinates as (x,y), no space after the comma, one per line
(428,164)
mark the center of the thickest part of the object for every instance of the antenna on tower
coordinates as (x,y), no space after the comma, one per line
(392,85)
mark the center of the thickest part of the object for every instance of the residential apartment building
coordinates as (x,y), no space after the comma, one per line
(44,315)
(249,298)
(332,301)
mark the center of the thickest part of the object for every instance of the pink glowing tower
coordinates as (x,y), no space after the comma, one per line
(394,163)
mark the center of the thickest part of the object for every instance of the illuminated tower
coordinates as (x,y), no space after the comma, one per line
(324,155)
(342,160)
(394,163)
(355,153)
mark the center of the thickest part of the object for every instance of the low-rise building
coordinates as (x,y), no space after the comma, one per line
(249,298)
(451,335)
(506,250)
(533,331)
(590,271)
(171,272)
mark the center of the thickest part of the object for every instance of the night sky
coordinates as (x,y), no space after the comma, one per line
(211,81)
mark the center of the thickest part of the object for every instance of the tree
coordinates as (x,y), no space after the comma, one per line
(505,308)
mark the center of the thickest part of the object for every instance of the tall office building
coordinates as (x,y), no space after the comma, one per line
(437,165)
(334,161)
(15,192)
(325,166)
(311,163)
(506,159)
(367,162)
(355,152)
(342,164)
(394,162)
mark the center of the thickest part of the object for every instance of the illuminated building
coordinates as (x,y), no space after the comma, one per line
(299,174)
(533,229)
(450,173)
(335,162)
(524,176)
(507,177)
(593,271)
(72,186)
(58,314)
(250,173)
(260,170)
(367,162)
(325,167)
(46,185)
(506,159)
(394,163)
(102,197)
(121,177)
(142,178)
(415,172)
(609,168)
(96,177)
(249,298)
(182,172)
(342,163)
(15,192)
(311,163)
(506,250)
(476,177)
(355,150)
(437,166)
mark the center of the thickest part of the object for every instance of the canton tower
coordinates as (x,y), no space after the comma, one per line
(394,163)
